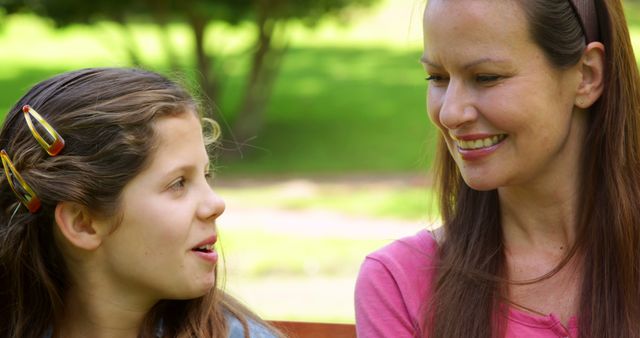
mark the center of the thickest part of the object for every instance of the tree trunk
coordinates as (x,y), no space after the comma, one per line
(160,14)
(208,82)
(129,41)
(266,60)
(165,39)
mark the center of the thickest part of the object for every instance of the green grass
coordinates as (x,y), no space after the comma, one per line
(314,256)
(263,269)
(407,203)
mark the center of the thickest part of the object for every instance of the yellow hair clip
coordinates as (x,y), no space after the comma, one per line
(55,143)
(23,191)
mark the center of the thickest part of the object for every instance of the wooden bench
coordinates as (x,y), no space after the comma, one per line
(315,330)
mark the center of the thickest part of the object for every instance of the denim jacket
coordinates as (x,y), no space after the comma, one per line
(235,330)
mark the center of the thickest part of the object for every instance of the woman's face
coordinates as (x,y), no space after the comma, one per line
(506,114)
(162,249)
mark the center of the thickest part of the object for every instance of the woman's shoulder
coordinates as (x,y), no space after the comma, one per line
(393,283)
(256,330)
(416,251)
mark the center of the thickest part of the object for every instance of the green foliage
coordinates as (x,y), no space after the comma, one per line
(66,12)
(335,116)
(340,110)
(268,16)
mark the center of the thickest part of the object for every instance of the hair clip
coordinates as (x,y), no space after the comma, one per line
(55,142)
(23,191)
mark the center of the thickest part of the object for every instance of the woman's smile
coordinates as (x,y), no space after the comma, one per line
(476,147)
(464,143)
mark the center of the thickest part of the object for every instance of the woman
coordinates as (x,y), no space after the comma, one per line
(537,102)
(107,220)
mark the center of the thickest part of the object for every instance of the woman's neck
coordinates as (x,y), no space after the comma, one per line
(540,218)
(539,229)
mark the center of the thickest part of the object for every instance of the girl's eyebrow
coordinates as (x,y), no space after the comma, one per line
(185,168)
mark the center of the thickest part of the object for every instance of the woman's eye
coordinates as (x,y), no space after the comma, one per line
(487,78)
(435,78)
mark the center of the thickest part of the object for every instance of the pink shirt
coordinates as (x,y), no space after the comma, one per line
(395,281)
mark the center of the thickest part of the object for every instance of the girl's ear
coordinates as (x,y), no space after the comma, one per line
(77,226)
(592,71)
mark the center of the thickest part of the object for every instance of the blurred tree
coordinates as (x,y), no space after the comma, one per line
(269,17)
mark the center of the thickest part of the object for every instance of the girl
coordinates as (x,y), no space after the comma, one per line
(107,220)
(538,106)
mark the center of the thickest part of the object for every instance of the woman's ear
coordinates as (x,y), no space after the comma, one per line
(77,225)
(592,71)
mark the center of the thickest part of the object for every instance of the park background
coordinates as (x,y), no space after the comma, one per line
(339,165)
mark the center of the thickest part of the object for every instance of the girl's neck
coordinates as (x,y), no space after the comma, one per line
(92,315)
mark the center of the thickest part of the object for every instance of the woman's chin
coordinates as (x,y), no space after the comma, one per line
(480,184)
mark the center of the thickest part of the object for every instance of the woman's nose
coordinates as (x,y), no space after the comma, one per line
(456,107)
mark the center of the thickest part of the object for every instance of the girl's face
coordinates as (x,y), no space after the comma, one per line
(506,114)
(162,249)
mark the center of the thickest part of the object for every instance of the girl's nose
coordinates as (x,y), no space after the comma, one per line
(212,205)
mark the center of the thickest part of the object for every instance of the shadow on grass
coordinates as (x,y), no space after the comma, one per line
(14,87)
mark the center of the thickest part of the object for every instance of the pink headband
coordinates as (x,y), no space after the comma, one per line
(586,11)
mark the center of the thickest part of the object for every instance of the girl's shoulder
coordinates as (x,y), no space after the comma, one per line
(256,330)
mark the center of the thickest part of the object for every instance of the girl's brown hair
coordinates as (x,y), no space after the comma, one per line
(106,116)
(467,288)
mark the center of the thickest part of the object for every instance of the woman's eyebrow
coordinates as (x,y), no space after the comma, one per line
(471,64)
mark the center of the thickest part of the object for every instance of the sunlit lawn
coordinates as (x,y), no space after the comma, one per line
(303,266)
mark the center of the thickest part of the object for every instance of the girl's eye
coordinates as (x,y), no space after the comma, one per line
(209,177)
(487,78)
(178,184)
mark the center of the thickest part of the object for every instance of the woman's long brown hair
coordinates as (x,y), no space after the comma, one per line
(106,116)
(467,287)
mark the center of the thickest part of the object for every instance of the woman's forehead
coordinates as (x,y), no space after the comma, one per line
(472,30)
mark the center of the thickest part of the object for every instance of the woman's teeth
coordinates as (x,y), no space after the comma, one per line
(480,143)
